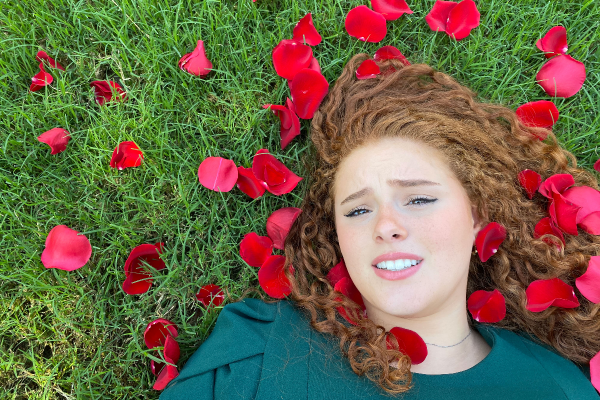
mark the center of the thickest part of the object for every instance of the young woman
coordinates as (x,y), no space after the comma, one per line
(410,168)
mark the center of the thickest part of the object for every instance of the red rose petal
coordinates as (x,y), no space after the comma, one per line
(196,62)
(365,24)
(559,181)
(391,9)
(530,181)
(56,138)
(137,283)
(489,239)
(348,289)
(40,80)
(462,19)
(597,165)
(156,332)
(589,283)
(437,19)
(487,307)
(127,154)
(585,197)
(42,55)
(279,224)
(554,42)
(565,214)
(595,371)
(156,367)
(591,223)
(138,279)
(218,174)
(66,249)
(171,354)
(289,122)
(541,113)
(290,57)
(389,53)
(308,89)
(255,249)
(276,177)
(367,69)
(409,343)
(338,272)
(108,91)
(561,76)
(305,30)
(248,183)
(314,65)
(546,227)
(272,279)
(544,293)
(210,295)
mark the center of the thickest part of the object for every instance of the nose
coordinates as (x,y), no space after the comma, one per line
(389,226)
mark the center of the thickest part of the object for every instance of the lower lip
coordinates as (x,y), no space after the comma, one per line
(397,275)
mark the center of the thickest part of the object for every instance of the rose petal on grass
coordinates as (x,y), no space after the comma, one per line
(305,31)
(210,295)
(554,42)
(138,280)
(365,24)
(314,65)
(558,182)
(249,184)
(308,89)
(487,307)
(272,279)
(42,55)
(56,138)
(169,372)
(561,76)
(156,332)
(156,367)
(547,227)
(489,239)
(368,69)
(289,122)
(589,283)
(597,165)
(338,272)
(66,249)
(126,155)
(279,224)
(255,249)
(218,174)
(544,293)
(40,79)
(390,53)
(437,19)
(275,176)
(391,9)
(530,181)
(409,343)
(290,57)
(462,19)
(541,114)
(196,62)
(108,91)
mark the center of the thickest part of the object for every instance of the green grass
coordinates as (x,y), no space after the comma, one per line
(68,335)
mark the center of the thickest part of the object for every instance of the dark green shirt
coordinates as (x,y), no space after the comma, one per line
(269,351)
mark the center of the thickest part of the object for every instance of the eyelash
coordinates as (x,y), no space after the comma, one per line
(427,200)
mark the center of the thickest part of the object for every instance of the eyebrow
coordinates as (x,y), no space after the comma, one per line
(391,182)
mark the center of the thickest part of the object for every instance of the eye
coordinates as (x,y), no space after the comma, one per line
(420,201)
(353,211)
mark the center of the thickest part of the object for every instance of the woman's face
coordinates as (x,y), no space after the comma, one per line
(396,195)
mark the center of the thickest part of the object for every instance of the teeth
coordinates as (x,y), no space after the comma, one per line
(396,265)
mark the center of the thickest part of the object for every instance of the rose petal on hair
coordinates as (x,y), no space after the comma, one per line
(487,307)
(489,239)
(367,69)
(409,343)
(218,174)
(391,9)
(126,155)
(40,79)
(390,53)
(437,19)
(544,293)
(108,91)
(248,183)
(276,177)
(305,31)
(272,279)
(565,214)
(585,197)
(560,182)
(138,279)
(554,42)
(591,223)
(42,55)
(595,371)
(561,76)
(290,57)
(66,249)
(289,122)
(255,249)
(171,354)
(308,89)
(156,332)
(462,19)
(530,181)
(589,283)
(338,272)
(210,295)
(546,227)
(365,24)
(348,289)
(279,224)
(196,62)
(56,138)
(541,114)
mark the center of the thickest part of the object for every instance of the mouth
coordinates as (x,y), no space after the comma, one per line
(397,265)
(403,271)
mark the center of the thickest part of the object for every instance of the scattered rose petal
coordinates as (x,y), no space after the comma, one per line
(66,249)
(489,239)
(275,176)
(589,283)
(585,197)
(348,289)
(290,57)
(595,371)
(462,19)
(156,332)
(108,91)
(547,227)
(138,280)
(255,249)
(391,9)
(249,184)
(561,76)
(338,272)
(56,138)
(437,19)
(211,295)
(169,372)
(530,181)
(308,89)
(544,293)
(272,279)
(597,165)
(196,62)
(305,31)
(218,174)
(289,122)
(126,155)
(40,79)
(390,53)
(564,213)
(554,42)
(42,55)
(409,343)
(279,224)
(365,24)
(156,367)
(541,114)
(367,69)
(487,307)
(560,182)
(314,65)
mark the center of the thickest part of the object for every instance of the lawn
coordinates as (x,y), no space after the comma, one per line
(77,335)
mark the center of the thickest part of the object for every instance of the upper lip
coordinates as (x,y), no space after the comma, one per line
(395,256)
